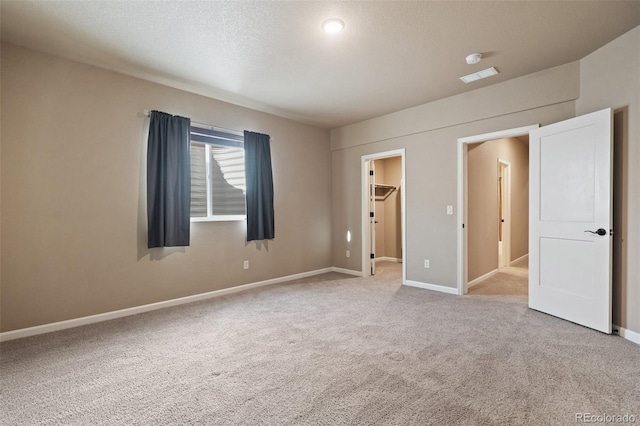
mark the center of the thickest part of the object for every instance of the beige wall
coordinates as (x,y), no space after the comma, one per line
(73,195)
(610,77)
(72,212)
(388,211)
(0,196)
(431,168)
(555,85)
(482,207)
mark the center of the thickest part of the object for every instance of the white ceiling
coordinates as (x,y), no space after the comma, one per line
(274,57)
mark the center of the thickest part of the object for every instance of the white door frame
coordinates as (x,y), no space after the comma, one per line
(366,238)
(373,219)
(462,193)
(505,200)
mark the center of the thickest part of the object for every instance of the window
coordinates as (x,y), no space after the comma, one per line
(217,175)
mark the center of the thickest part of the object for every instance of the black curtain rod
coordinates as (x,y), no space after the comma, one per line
(211,126)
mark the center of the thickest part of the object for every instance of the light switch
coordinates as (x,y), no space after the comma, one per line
(449,209)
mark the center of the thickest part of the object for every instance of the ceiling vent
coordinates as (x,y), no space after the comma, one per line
(479,75)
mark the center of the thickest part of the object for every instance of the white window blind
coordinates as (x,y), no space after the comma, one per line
(217,175)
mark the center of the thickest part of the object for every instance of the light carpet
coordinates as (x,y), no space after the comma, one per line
(331,350)
(509,281)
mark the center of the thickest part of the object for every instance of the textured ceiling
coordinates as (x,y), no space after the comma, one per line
(274,57)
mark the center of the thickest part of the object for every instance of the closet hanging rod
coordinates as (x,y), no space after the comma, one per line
(387,191)
(385,186)
(210,126)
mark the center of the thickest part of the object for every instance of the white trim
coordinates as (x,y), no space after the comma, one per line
(365,213)
(629,335)
(462,193)
(481,278)
(509,133)
(520,259)
(220,218)
(91,319)
(371,208)
(347,271)
(388,259)
(632,336)
(207,173)
(434,287)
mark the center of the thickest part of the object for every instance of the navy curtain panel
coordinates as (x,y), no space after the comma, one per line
(168,180)
(259,177)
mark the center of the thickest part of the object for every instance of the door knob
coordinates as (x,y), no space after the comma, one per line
(600,232)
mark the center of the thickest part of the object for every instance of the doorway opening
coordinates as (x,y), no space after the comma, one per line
(383,213)
(493,212)
(572,179)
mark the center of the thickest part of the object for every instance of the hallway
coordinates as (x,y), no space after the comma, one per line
(509,281)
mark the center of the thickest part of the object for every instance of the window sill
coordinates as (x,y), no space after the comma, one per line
(220,218)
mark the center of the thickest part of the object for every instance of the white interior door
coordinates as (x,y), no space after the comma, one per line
(570,219)
(372,215)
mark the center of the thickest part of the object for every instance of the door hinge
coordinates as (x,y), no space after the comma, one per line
(370,214)
(370,172)
(372,256)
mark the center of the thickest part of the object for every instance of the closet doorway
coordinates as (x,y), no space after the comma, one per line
(383,213)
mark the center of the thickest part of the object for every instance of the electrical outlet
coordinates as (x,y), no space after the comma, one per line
(348,253)
(427,264)
(246,264)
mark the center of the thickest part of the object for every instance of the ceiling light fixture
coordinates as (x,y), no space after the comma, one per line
(479,75)
(333,25)
(474,58)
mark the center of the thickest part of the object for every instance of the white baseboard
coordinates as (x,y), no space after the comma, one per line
(434,287)
(520,259)
(91,319)
(481,278)
(347,271)
(631,336)
(388,259)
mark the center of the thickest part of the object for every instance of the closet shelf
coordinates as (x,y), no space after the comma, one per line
(383,191)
